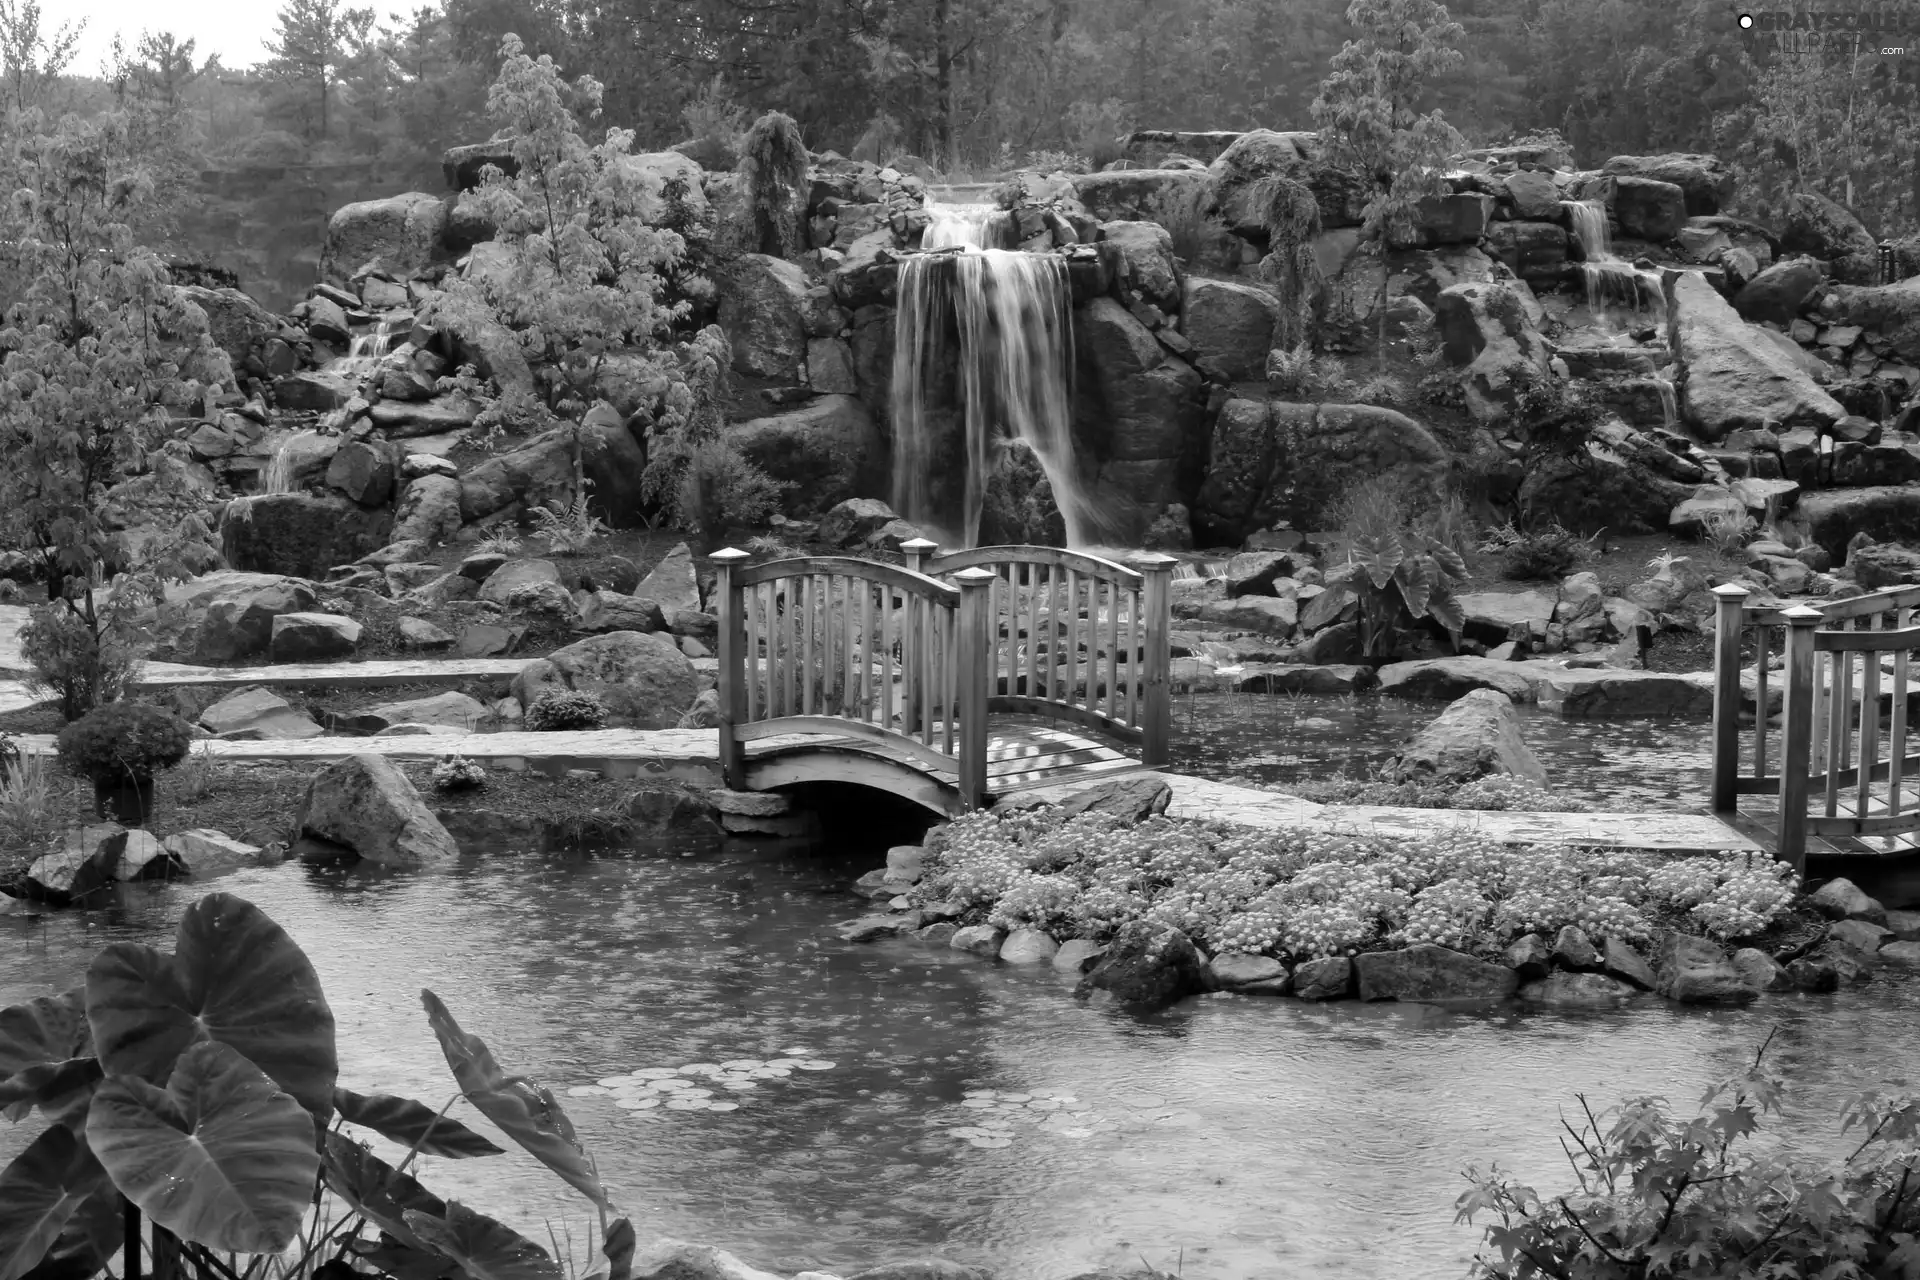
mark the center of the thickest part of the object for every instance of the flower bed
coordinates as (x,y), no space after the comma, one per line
(1302,895)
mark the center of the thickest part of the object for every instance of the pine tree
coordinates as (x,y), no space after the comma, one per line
(311,46)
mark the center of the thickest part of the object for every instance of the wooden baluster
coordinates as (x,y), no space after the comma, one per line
(950,682)
(1133,658)
(1869,752)
(809,680)
(1839,721)
(1032,689)
(751,600)
(1729,623)
(1897,732)
(925,681)
(789,618)
(1762,696)
(1071,693)
(886,657)
(866,652)
(1113,648)
(1797,740)
(975,616)
(1849,658)
(733,643)
(1157,718)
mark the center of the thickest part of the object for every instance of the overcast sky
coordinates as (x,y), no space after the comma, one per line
(235,29)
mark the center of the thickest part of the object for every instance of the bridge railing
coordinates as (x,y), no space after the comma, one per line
(854,648)
(1074,636)
(1845,689)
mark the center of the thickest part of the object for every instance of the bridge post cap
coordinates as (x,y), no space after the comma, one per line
(1732,591)
(919,545)
(727,555)
(975,577)
(1803,615)
(1153,560)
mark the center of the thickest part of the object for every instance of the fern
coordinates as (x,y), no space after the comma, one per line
(499,543)
(569,529)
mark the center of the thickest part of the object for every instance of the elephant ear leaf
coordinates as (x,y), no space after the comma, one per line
(525,1112)
(40,1192)
(92,1236)
(44,1030)
(412,1125)
(62,1090)
(236,978)
(485,1249)
(220,1157)
(618,1249)
(375,1188)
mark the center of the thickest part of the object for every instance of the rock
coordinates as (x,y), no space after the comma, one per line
(677,1260)
(1028,946)
(866,928)
(1328,978)
(255,715)
(301,533)
(538,472)
(1861,935)
(1239,969)
(978,939)
(1529,957)
(1885,513)
(1707,182)
(1621,961)
(1497,616)
(452,710)
(1850,965)
(849,524)
(1146,966)
(1485,332)
(1426,972)
(1905,925)
(763,310)
(829,449)
(1077,955)
(1534,251)
(1649,209)
(365,805)
(704,713)
(1230,325)
(418,633)
(1708,505)
(1572,949)
(1460,217)
(1888,312)
(1235,175)
(1760,970)
(1842,899)
(313,637)
(80,868)
(1578,991)
(429,509)
(1138,409)
(1693,970)
(611,611)
(1476,736)
(1132,800)
(1146,261)
(225,616)
(410,419)
(1255,572)
(1533,194)
(1292,462)
(1265,614)
(1778,293)
(1604,693)
(1302,678)
(644,680)
(206,852)
(312,392)
(141,856)
(400,234)
(672,584)
(1823,228)
(1732,379)
(1816,974)
(1450,678)
(1904,954)
(517,583)
(921,1269)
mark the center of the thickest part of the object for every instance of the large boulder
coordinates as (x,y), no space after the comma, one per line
(1778,293)
(652,171)
(1457,217)
(313,637)
(614,461)
(1281,461)
(1885,513)
(257,714)
(673,584)
(1649,209)
(1534,251)
(400,234)
(312,391)
(763,308)
(1139,413)
(1235,175)
(236,323)
(1485,331)
(1824,228)
(302,534)
(1146,261)
(1693,970)
(362,472)
(224,616)
(519,584)
(1143,195)
(538,472)
(1892,311)
(1734,378)
(365,806)
(829,449)
(1705,181)
(644,679)
(1231,326)
(1147,966)
(1475,736)
(429,510)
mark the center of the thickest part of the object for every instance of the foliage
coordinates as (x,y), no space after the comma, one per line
(773,174)
(315,41)
(565,709)
(1560,418)
(1297,372)
(1402,575)
(569,528)
(1299,893)
(1290,268)
(84,666)
(1547,553)
(499,543)
(720,488)
(32,57)
(457,773)
(1727,531)
(124,740)
(696,475)
(191,1088)
(715,122)
(1495,791)
(1659,1194)
(30,813)
(198,776)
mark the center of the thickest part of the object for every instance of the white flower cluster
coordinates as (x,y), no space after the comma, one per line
(1729,897)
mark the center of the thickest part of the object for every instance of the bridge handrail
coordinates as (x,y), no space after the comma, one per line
(1086,599)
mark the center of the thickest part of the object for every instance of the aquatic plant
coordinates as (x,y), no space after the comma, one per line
(564,709)
(1660,1194)
(1403,576)
(200,1089)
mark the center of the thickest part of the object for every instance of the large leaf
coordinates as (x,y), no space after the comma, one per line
(411,1124)
(1415,577)
(485,1249)
(401,1262)
(92,1236)
(1446,609)
(62,1090)
(1378,556)
(39,1192)
(525,1111)
(378,1190)
(48,1029)
(618,1249)
(237,978)
(220,1157)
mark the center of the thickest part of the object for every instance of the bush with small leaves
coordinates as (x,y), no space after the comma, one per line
(122,741)
(457,773)
(565,710)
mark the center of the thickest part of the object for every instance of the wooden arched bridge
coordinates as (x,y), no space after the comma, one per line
(951,681)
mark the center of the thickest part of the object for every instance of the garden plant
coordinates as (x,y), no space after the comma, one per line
(119,747)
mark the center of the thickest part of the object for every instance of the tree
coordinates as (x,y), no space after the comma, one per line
(313,44)
(30,58)
(773,172)
(1368,111)
(96,347)
(150,88)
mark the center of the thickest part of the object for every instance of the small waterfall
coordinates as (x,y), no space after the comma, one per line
(1612,284)
(1011,315)
(365,350)
(967,226)
(1669,405)
(279,475)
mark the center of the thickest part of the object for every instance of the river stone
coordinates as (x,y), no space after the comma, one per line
(1815,974)
(1334,680)
(1146,966)
(204,851)
(82,866)
(1077,955)
(1905,954)
(905,863)
(1132,800)
(364,804)
(938,934)
(1427,972)
(873,928)
(921,1269)
(1905,925)
(1862,935)
(1693,970)
(313,637)
(1565,990)
(1476,736)
(1029,946)
(1851,963)
(1572,949)
(257,714)
(1328,978)
(1760,970)
(1606,693)
(418,633)
(141,856)
(1450,678)
(1619,959)
(1528,957)
(644,679)
(1239,968)
(668,1259)
(225,616)
(1734,378)
(978,939)
(517,581)
(1841,899)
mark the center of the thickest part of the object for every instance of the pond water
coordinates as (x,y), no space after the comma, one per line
(1606,766)
(1236,1138)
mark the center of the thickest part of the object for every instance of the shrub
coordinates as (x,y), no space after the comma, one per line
(565,710)
(1727,531)
(500,542)
(83,666)
(124,740)
(29,817)
(457,773)
(571,528)
(1296,371)
(773,176)
(1551,552)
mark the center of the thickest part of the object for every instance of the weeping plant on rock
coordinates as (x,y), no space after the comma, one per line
(1290,269)
(200,1090)
(773,173)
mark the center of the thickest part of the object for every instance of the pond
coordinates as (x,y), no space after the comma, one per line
(1234,1137)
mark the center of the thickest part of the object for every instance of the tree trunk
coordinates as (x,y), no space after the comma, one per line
(943,83)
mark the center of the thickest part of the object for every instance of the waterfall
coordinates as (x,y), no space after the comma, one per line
(365,350)
(1011,316)
(1669,405)
(279,475)
(1610,282)
(967,226)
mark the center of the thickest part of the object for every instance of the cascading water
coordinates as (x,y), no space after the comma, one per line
(1011,323)
(279,475)
(1669,403)
(1612,283)
(365,350)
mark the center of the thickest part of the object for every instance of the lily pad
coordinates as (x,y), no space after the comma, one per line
(723,1106)
(977,1104)
(1044,1104)
(613,1082)
(816,1064)
(1016,1097)
(699,1068)
(686,1104)
(740,1085)
(655,1073)
(771,1073)
(979,1093)
(636,1104)
(743,1064)
(589,1091)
